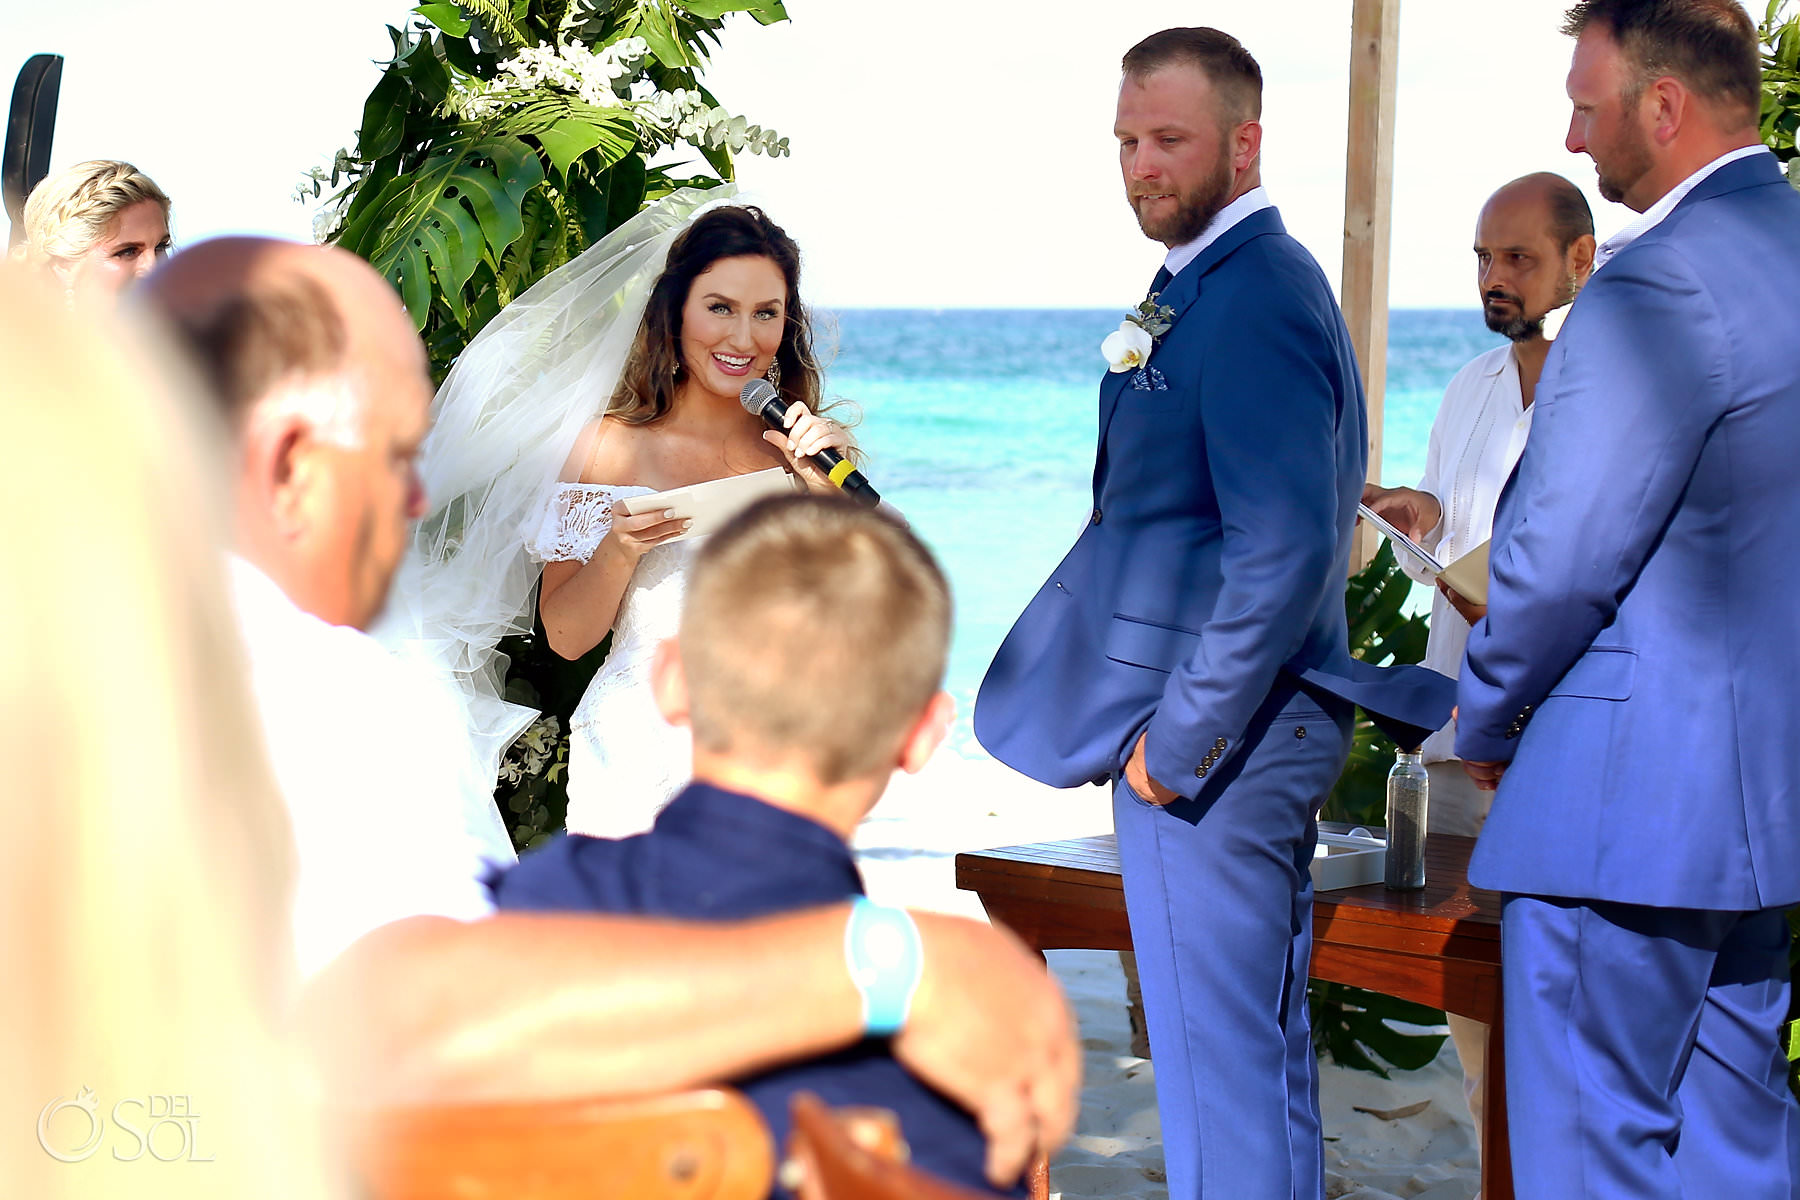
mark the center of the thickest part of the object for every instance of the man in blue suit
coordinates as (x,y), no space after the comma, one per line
(1634,681)
(1191,647)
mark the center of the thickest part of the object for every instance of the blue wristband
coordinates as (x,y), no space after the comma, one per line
(882,952)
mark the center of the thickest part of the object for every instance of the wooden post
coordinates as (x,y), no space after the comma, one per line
(1368,213)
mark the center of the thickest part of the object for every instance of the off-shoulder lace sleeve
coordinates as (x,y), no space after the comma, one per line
(577,517)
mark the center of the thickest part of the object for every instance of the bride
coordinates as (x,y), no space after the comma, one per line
(614,377)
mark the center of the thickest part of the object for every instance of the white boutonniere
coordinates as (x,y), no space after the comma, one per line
(1128,347)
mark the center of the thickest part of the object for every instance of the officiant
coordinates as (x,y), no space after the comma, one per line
(1534,248)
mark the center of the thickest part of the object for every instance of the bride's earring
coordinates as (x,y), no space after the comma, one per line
(774,374)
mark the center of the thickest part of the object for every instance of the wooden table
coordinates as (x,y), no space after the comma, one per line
(1439,946)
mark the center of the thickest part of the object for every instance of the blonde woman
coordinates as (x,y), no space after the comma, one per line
(144,873)
(97,227)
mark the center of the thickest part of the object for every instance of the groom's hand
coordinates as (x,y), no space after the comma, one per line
(1137,778)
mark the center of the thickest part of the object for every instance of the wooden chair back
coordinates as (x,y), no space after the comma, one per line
(827,1161)
(700,1145)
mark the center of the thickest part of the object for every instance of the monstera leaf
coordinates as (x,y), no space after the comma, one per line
(460,207)
(466,204)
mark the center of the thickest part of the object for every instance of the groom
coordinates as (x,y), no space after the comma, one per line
(1191,648)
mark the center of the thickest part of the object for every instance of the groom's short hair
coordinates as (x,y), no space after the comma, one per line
(1235,75)
(817,628)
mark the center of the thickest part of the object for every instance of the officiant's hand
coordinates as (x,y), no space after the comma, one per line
(1137,778)
(636,536)
(807,435)
(1486,775)
(1409,510)
(1468,609)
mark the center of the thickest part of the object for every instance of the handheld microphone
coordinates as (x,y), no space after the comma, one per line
(760,398)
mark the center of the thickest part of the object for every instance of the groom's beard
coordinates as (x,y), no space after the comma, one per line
(1194,209)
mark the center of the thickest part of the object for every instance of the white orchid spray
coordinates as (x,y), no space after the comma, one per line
(611,77)
(601,78)
(1128,347)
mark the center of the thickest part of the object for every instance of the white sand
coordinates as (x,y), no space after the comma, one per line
(907,850)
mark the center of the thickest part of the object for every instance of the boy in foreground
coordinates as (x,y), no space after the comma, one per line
(808,665)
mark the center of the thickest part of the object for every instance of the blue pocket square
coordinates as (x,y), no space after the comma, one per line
(1149,379)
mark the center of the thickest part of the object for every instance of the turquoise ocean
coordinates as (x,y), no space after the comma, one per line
(980,425)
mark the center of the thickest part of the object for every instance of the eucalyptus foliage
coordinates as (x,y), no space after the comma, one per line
(506,136)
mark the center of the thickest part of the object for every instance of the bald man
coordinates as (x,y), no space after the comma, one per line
(1534,248)
(414,987)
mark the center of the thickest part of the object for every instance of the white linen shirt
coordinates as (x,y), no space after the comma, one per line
(1476,441)
(365,752)
(1254,200)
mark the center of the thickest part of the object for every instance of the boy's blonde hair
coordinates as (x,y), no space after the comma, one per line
(813,627)
(68,213)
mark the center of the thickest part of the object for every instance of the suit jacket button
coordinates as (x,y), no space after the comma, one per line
(1199,772)
(1300,732)
(1096,517)
(1219,745)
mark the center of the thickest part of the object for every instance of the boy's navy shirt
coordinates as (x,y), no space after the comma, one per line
(719,855)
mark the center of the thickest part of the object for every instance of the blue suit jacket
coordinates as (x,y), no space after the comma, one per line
(717,855)
(1219,543)
(1640,660)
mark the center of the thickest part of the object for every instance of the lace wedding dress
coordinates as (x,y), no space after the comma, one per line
(625,762)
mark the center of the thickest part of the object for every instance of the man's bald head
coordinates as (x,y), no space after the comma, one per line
(1562,207)
(327,386)
(264,316)
(1534,247)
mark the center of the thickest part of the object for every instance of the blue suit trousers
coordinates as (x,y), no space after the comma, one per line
(1642,1057)
(1219,894)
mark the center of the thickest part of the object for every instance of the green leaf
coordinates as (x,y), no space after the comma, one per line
(384,116)
(1352,1025)
(766,12)
(566,141)
(497,16)
(434,198)
(408,269)
(625,190)
(655,27)
(446,16)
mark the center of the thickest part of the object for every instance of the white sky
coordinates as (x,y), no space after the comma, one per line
(961,160)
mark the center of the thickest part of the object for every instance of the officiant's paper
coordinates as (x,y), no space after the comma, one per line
(710,505)
(1467,576)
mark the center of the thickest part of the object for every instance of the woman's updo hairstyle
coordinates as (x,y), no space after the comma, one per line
(653,372)
(68,213)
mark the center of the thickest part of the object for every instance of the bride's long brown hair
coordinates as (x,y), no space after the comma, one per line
(653,371)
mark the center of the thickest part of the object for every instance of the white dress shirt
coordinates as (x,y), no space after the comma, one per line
(1254,200)
(1476,441)
(1653,216)
(366,753)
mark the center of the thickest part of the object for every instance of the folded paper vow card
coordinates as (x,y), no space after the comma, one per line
(710,505)
(1467,576)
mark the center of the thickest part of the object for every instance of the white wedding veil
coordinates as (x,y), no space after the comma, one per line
(502,426)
